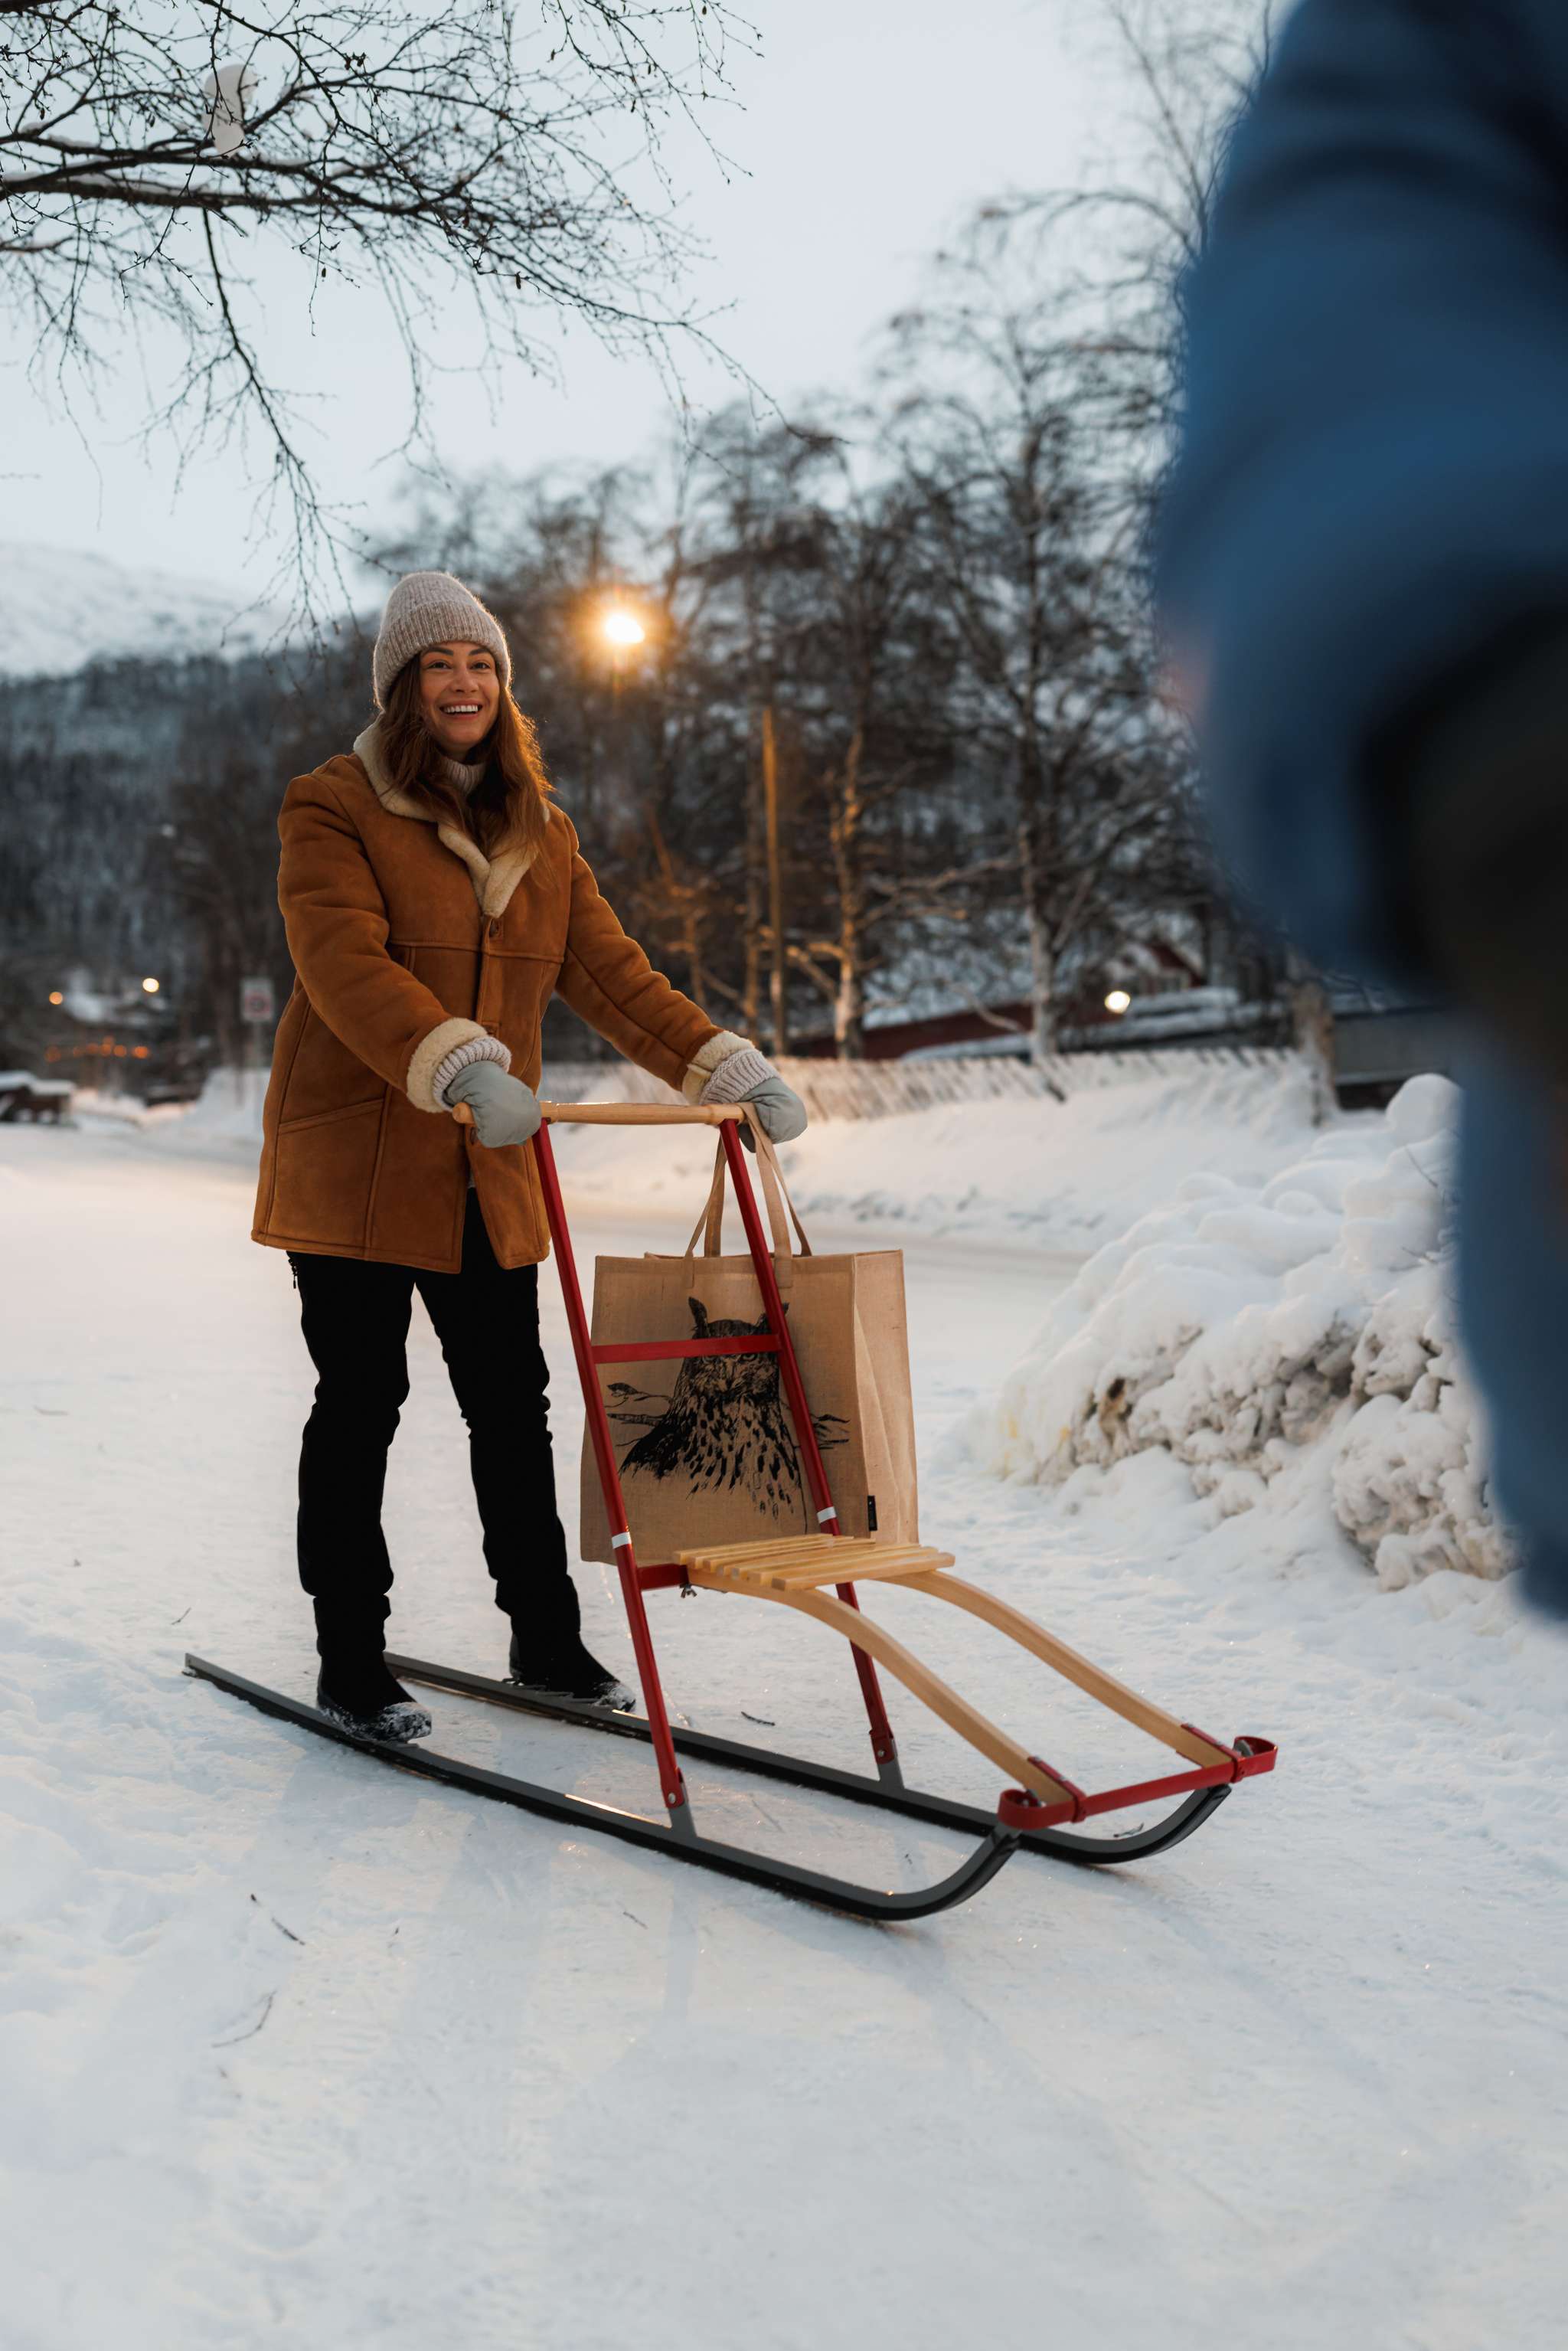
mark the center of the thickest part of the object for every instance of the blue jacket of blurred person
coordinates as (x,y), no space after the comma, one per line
(1370,508)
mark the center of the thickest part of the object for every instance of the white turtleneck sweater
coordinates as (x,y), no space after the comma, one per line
(465,778)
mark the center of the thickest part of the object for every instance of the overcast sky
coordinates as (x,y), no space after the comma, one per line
(864,132)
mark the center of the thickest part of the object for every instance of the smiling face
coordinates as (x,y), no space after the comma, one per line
(459,694)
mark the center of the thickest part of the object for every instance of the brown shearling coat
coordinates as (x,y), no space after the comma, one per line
(406,941)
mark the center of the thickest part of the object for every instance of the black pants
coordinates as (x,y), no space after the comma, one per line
(356,1318)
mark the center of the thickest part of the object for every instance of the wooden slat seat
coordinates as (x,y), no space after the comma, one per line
(798,1563)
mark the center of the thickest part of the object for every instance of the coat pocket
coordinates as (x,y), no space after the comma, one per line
(320,1075)
(326,1176)
(329,1117)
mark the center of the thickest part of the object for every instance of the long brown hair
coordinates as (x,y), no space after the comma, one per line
(508,810)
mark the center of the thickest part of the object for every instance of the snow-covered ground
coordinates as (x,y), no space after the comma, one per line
(298,2048)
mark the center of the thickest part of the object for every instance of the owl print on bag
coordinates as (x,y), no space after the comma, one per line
(725,1428)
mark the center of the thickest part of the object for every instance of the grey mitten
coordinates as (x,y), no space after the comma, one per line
(777,1110)
(747,1076)
(504,1109)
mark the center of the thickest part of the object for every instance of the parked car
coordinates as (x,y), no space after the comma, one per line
(23,1096)
(1381,1038)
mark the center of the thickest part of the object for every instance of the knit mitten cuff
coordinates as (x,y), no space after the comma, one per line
(707,1058)
(474,1049)
(738,1076)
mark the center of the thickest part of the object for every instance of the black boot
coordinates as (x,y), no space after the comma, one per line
(562,1668)
(360,1694)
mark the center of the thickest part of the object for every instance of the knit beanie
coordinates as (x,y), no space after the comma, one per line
(431,607)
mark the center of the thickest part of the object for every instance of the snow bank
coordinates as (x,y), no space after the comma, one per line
(1056,1174)
(228,1109)
(228,1112)
(1063,1175)
(1245,1323)
(89,1101)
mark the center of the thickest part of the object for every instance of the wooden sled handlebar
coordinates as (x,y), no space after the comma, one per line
(615,1114)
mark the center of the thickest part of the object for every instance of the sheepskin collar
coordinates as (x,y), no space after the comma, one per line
(494,878)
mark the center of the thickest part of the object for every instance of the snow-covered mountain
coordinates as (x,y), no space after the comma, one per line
(62,607)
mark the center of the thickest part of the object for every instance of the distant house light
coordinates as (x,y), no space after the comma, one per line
(151,986)
(1118,1001)
(55,997)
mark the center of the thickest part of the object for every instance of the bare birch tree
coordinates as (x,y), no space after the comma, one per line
(1031,529)
(1188,69)
(455,160)
(873,741)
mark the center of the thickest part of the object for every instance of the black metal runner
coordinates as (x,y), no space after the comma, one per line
(582,1812)
(889,1793)
(995,1847)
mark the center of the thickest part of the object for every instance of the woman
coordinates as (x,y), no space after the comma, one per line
(434,898)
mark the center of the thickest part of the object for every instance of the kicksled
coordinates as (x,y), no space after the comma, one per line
(1040,1811)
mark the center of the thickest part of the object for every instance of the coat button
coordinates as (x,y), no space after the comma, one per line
(495,924)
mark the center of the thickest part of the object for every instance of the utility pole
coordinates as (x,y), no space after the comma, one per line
(1311,1027)
(775,877)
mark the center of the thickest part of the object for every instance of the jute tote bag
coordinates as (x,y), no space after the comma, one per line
(705,1444)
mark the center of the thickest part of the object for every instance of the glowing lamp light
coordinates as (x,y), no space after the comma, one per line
(1118,1001)
(623,628)
(55,997)
(149,987)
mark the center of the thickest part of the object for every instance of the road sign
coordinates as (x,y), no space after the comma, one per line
(258,1004)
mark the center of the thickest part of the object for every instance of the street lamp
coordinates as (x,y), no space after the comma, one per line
(55,997)
(1118,1001)
(623,628)
(620,630)
(149,987)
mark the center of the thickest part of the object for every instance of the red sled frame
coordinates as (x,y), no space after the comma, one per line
(635,1580)
(1034,1814)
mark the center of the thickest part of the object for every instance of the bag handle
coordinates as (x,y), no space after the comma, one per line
(709,1225)
(712,1209)
(710,1217)
(774,1188)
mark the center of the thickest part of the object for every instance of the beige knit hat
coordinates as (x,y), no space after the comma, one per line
(431,607)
